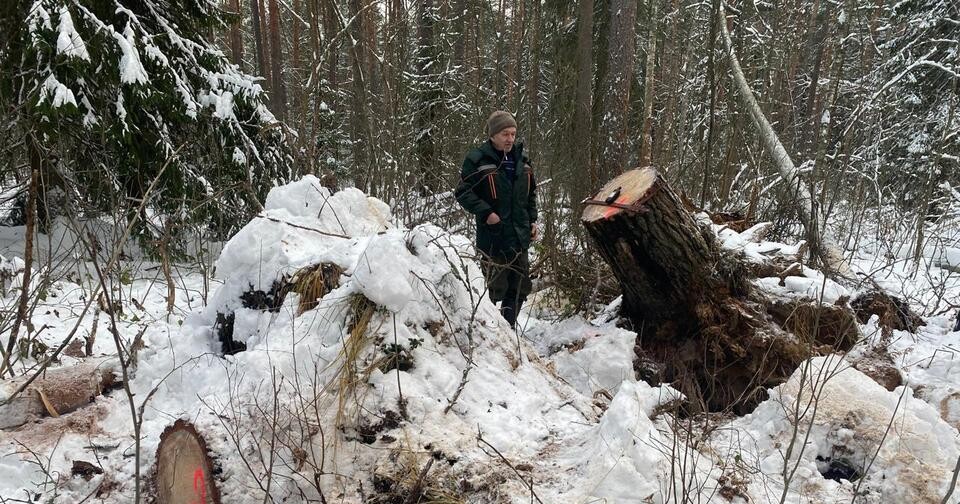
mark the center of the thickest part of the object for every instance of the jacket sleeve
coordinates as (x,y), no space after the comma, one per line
(532,196)
(466,191)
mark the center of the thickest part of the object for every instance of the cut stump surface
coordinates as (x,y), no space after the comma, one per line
(184,472)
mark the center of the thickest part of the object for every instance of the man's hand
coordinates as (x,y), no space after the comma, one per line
(493,219)
(534,231)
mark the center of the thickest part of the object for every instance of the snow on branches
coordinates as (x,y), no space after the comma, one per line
(139,82)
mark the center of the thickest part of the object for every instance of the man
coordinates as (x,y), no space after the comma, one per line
(498,187)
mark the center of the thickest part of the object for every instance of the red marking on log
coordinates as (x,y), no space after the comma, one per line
(200,486)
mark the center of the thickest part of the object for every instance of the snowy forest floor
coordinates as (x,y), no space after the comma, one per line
(421,393)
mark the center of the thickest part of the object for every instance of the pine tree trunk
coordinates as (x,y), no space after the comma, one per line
(427,100)
(278,97)
(621,54)
(705,194)
(461,11)
(236,34)
(296,61)
(498,95)
(256,12)
(718,341)
(649,71)
(517,22)
(330,24)
(533,78)
(583,120)
(663,262)
(361,127)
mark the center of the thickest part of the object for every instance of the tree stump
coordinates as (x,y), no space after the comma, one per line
(669,268)
(184,472)
(692,304)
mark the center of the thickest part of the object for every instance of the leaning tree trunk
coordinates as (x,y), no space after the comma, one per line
(692,304)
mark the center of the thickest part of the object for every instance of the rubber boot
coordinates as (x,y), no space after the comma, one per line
(509,313)
(509,308)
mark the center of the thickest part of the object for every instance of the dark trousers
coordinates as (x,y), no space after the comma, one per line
(508,282)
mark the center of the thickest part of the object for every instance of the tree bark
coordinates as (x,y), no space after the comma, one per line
(236,34)
(583,121)
(621,53)
(295,62)
(718,340)
(665,264)
(278,97)
(55,391)
(532,130)
(649,72)
(712,90)
(517,51)
(256,14)
(428,100)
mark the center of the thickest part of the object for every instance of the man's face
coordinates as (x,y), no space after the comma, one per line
(504,139)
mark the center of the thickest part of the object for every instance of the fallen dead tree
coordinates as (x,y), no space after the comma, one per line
(697,315)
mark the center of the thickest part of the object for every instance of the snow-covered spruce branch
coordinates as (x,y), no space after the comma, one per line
(855,116)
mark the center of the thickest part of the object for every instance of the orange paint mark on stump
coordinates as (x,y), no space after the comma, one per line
(612,210)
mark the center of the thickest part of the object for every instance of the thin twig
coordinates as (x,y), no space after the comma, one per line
(953,483)
(305,228)
(414,495)
(509,464)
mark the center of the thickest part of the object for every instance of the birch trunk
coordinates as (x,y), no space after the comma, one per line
(788,171)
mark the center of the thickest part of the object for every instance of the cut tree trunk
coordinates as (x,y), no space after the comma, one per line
(184,471)
(55,392)
(720,341)
(665,263)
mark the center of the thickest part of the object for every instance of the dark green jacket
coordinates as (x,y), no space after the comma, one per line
(485,188)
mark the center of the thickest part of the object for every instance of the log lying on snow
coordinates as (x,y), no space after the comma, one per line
(692,303)
(184,471)
(55,392)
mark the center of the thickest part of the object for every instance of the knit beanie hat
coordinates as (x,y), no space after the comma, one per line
(499,121)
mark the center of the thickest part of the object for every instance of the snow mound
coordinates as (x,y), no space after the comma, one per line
(619,459)
(592,358)
(302,224)
(404,361)
(853,435)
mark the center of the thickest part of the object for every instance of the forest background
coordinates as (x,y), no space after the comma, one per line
(388,95)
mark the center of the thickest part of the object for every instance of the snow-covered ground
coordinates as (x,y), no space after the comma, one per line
(405,375)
